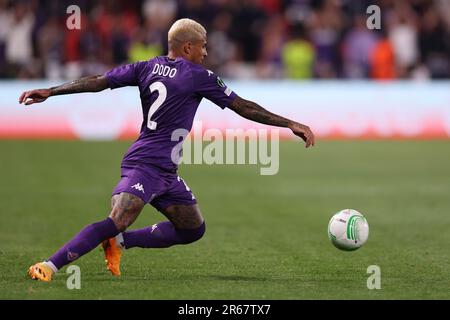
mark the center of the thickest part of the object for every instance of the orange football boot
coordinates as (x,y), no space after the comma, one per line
(40,271)
(113,253)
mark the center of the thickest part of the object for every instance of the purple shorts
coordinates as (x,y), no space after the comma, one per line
(155,186)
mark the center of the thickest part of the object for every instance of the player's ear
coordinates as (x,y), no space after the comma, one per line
(187,48)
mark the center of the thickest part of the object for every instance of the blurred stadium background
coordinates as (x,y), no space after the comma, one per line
(314,61)
(252,39)
(342,78)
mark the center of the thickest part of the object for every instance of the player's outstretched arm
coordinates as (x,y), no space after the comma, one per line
(85,84)
(252,111)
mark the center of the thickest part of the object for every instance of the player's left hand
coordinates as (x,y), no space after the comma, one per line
(303,132)
(34,96)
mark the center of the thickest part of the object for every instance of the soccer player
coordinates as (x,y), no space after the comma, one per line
(171,88)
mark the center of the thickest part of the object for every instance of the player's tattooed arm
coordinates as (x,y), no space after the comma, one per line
(86,84)
(252,111)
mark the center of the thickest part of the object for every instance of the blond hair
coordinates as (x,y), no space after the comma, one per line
(184,30)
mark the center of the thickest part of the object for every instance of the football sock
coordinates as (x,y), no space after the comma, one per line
(88,238)
(51,265)
(161,235)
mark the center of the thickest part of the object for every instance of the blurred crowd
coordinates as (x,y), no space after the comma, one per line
(264,39)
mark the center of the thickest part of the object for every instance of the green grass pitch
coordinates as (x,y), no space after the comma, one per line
(266,235)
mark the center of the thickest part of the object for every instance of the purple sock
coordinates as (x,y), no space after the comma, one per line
(88,238)
(161,235)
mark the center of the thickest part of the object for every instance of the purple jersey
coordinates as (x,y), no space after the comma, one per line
(170,91)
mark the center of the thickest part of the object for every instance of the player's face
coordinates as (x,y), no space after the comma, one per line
(198,51)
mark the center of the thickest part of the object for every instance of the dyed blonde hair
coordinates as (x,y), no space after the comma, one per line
(184,30)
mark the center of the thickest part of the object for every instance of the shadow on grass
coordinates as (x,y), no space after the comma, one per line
(178,277)
(236,278)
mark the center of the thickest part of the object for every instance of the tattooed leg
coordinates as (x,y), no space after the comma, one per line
(126,208)
(184,217)
(186,225)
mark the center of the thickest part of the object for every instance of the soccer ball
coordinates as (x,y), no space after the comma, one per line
(348,230)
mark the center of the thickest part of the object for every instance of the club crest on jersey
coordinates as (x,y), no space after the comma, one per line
(72,255)
(138,187)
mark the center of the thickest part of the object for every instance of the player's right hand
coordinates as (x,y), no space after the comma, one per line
(303,132)
(34,96)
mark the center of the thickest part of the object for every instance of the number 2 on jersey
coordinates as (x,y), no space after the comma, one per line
(162,95)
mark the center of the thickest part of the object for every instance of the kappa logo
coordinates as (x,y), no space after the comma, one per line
(220,82)
(138,187)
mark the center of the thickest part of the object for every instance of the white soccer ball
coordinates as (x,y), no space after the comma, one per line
(348,230)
